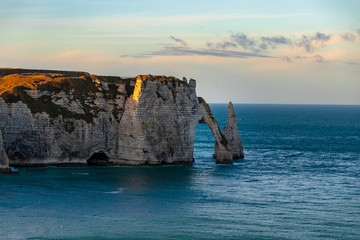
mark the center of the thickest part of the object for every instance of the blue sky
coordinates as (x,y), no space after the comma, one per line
(244,51)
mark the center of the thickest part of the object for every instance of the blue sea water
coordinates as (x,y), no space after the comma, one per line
(300,179)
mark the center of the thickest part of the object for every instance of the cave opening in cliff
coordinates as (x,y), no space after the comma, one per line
(98,159)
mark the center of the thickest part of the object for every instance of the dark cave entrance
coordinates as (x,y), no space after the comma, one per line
(98,159)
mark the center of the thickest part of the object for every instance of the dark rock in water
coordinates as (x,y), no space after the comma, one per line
(231,133)
(8,171)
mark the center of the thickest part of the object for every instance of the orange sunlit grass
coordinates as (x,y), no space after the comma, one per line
(9,82)
(31,81)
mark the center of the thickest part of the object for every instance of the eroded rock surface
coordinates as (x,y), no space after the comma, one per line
(65,118)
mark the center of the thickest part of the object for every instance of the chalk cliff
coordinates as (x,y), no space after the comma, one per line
(74,118)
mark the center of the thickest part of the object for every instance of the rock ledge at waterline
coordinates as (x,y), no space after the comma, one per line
(73,118)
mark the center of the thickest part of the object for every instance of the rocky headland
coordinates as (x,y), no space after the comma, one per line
(74,118)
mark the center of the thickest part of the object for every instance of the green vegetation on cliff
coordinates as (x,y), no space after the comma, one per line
(79,86)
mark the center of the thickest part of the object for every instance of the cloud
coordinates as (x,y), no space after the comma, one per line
(265,43)
(186,51)
(277,40)
(350,37)
(240,45)
(351,63)
(319,40)
(315,58)
(224,45)
(254,44)
(318,59)
(245,42)
(178,40)
(287,59)
(310,43)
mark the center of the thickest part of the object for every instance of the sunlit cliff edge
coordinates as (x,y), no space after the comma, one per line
(73,118)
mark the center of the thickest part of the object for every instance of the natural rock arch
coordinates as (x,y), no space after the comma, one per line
(223,153)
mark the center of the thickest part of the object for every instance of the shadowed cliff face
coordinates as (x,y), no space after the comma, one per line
(3,156)
(4,161)
(65,118)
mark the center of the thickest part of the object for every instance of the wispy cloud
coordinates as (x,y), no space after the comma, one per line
(318,59)
(276,40)
(223,45)
(186,51)
(348,36)
(254,44)
(246,42)
(314,58)
(265,43)
(351,63)
(286,58)
(319,40)
(134,19)
(312,42)
(178,40)
(240,45)
(119,36)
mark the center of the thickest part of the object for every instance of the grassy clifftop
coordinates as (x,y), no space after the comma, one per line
(10,79)
(81,86)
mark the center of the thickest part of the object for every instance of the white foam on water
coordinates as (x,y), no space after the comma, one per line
(118,191)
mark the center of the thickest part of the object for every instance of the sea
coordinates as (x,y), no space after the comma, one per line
(300,179)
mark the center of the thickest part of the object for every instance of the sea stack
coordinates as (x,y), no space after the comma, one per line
(231,133)
(4,161)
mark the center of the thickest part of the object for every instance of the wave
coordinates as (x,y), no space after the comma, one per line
(118,191)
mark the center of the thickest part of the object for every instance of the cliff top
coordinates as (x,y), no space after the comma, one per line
(41,90)
(34,79)
(11,78)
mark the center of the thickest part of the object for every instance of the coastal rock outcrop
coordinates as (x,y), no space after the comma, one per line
(74,118)
(4,161)
(231,133)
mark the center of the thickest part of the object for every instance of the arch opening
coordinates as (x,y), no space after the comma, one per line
(203,143)
(98,159)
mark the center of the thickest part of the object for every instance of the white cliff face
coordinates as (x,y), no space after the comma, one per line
(143,121)
(159,123)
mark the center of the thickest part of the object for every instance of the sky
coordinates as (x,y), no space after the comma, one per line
(258,51)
